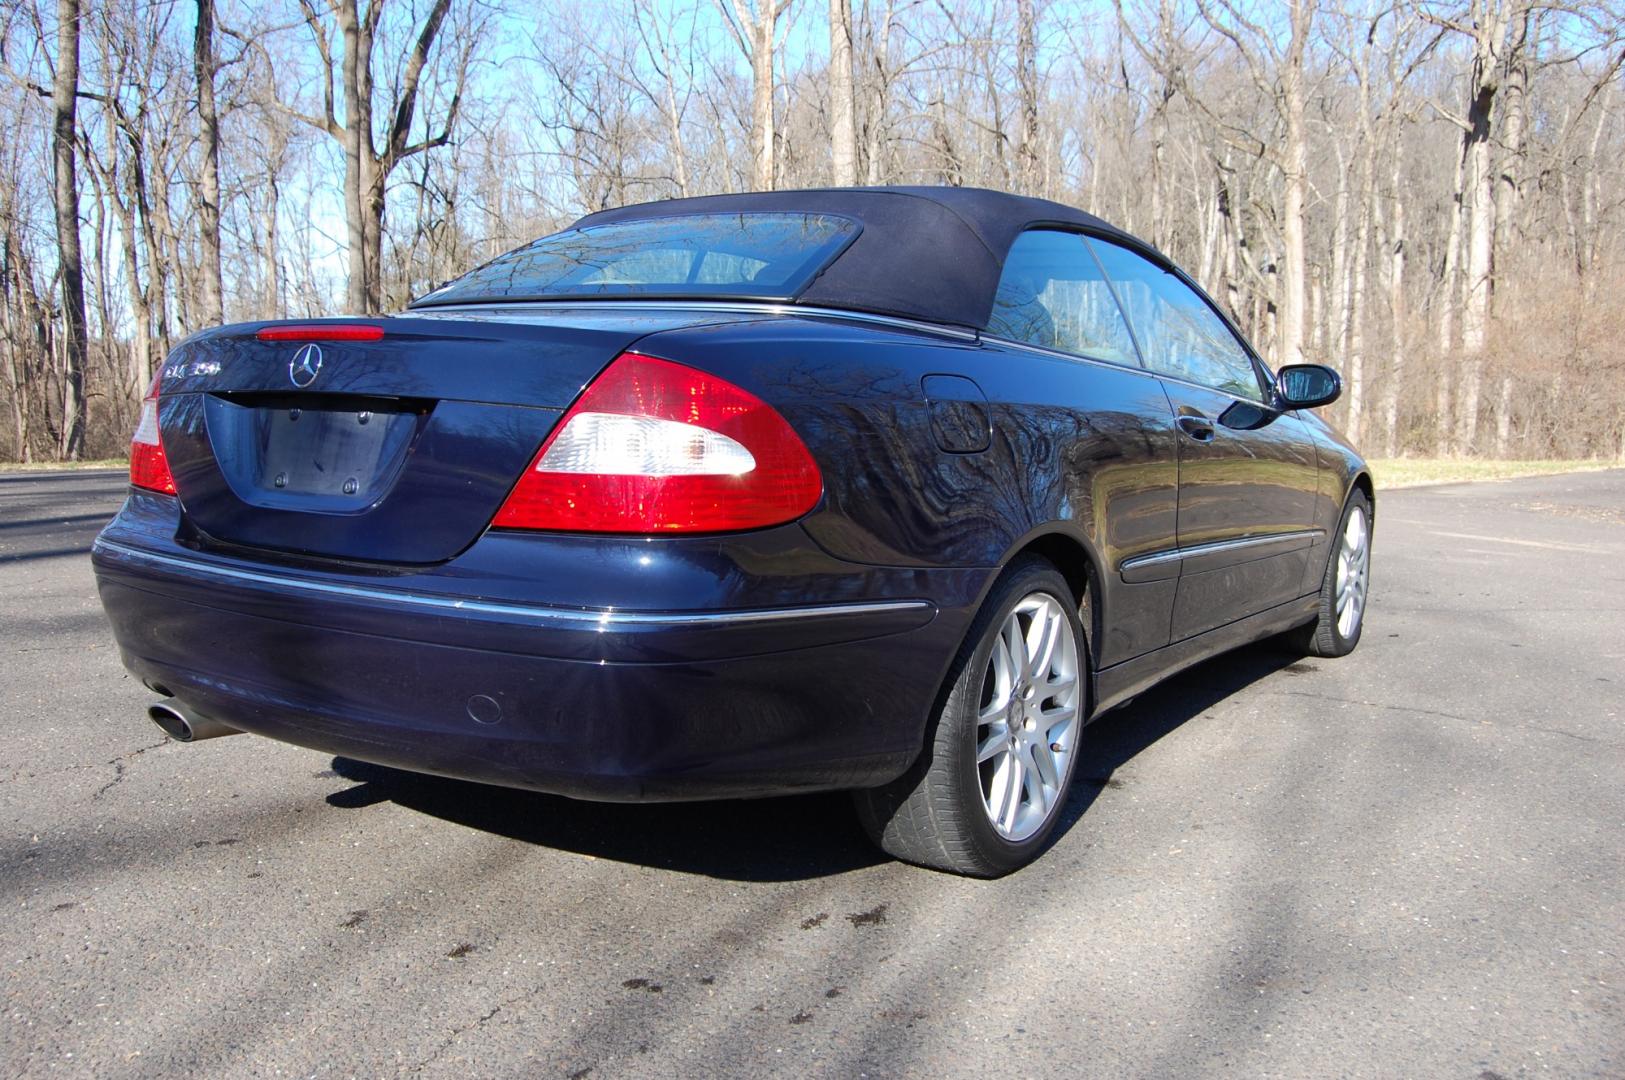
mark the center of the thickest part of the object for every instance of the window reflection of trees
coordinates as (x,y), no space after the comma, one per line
(1052,294)
(1180,335)
(1087,320)
(699,254)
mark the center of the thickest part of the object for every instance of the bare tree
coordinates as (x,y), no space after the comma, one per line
(1028,167)
(758,27)
(1392,187)
(843,136)
(674,77)
(366,167)
(208,201)
(1485,23)
(65,198)
(1278,71)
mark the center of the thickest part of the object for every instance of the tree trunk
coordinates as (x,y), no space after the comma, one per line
(1514,92)
(65,197)
(1231,238)
(11,334)
(879,102)
(16,386)
(1164,94)
(843,136)
(1590,197)
(141,310)
(1359,259)
(1355,364)
(1340,263)
(1507,195)
(674,131)
(156,291)
(1295,181)
(761,100)
(208,201)
(1503,419)
(1475,308)
(1027,157)
(372,232)
(356,139)
(274,307)
(97,279)
(1317,316)
(366,170)
(1396,302)
(1450,274)
(1490,25)
(1450,268)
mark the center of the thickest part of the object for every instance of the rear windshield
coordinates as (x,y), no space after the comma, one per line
(768,256)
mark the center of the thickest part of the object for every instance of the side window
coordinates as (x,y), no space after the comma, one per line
(1053,294)
(1180,335)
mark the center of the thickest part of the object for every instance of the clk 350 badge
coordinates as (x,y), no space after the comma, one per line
(195,368)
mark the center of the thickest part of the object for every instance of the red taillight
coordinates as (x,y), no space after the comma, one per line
(321,332)
(654,447)
(149,468)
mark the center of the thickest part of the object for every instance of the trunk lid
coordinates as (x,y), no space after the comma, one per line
(396,450)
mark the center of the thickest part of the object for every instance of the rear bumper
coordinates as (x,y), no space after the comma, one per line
(436,672)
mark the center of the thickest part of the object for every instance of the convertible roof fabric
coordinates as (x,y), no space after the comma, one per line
(929,253)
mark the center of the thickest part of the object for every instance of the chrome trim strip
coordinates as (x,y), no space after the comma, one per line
(516,311)
(564,618)
(1062,354)
(1159,557)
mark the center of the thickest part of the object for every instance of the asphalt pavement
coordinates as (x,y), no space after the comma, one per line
(1406,863)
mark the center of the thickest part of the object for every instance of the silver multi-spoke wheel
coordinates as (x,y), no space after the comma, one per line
(1028,717)
(999,755)
(1353,571)
(1345,588)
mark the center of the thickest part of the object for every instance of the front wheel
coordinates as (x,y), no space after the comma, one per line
(989,786)
(1343,591)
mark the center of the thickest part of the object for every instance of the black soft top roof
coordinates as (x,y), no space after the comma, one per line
(930,253)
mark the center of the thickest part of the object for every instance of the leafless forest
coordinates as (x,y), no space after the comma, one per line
(1429,196)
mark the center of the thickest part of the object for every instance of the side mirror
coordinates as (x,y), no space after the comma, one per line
(1306,386)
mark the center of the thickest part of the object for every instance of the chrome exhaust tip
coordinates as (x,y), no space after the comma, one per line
(182,725)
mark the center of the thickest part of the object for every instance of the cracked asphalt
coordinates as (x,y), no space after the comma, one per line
(1407,863)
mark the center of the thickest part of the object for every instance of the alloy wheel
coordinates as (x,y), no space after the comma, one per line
(1353,572)
(1028,720)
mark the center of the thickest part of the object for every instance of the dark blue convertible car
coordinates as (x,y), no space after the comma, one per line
(888,490)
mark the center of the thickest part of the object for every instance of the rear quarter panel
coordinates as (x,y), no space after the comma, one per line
(1072,452)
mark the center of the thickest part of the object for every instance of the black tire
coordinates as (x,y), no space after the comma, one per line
(935,815)
(1322,637)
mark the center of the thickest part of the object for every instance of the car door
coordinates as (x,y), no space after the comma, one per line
(1247,471)
(1070,390)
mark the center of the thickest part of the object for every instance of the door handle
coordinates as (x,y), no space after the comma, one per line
(1199,428)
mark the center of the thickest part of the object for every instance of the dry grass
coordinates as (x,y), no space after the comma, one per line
(64,466)
(1414,472)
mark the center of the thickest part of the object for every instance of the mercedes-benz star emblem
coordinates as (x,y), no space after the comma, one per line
(305,366)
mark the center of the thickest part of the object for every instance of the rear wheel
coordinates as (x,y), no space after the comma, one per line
(988,789)
(1343,591)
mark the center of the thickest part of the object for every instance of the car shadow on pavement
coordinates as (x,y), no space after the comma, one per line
(1121,734)
(785,839)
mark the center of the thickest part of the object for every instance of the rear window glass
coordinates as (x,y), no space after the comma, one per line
(766,255)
